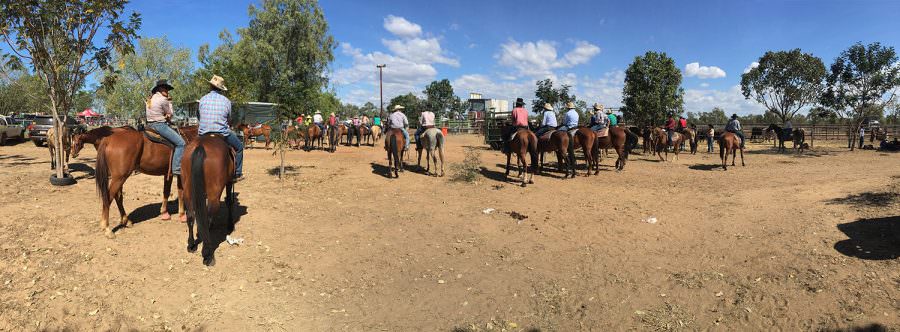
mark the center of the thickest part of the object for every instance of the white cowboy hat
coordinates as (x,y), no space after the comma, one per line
(318,112)
(548,107)
(398,107)
(608,111)
(570,105)
(332,113)
(218,82)
(598,107)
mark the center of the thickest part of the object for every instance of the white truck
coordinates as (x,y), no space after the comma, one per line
(10,129)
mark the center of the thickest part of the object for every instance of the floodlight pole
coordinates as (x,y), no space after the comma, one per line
(381,90)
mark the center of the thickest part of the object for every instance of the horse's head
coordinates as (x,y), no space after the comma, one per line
(77,145)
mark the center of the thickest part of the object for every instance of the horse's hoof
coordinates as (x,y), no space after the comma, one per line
(165,216)
(209,261)
(109,233)
(192,248)
(183,218)
(128,223)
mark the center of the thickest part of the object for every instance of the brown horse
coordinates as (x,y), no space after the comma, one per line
(585,139)
(661,140)
(729,143)
(94,137)
(557,141)
(313,134)
(649,144)
(292,133)
(360,133)
(51,145)
(523,142)
(690,136)
(123,153)
(617,139)
(207,172)
(250,133)
(376,133)
(334,138)
(394,144)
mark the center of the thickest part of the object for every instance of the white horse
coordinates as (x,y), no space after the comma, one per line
(431,139)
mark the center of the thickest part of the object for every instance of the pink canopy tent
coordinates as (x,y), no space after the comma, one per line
(89,112)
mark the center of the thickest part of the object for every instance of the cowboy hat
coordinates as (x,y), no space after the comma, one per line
(548,107)
(318,112)
(734,116)
(162,84)
(398,107)
(520,102)
(570,105)
(218,82)
(608,111)
(332,113)
(598,107)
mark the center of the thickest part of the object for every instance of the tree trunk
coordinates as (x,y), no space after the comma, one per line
(281,168)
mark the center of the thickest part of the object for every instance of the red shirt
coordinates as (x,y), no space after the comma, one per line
(331,120)
(670,123)
(299,120)
(520,117)
(683,123)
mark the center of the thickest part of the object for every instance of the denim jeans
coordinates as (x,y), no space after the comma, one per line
(597,127)
(405,137)
(232,139)
(709,144)
(172,136)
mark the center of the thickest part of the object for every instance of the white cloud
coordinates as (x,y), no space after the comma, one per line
(454,27)
(752,65)
(419,50)
(606,89)
(703,72)
(704,85)
(540,58)
(731,100)
(400,27)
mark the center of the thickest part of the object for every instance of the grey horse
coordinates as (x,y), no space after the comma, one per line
(431,139)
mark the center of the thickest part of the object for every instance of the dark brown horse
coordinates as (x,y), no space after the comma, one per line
(394,145)
(620,139)
(729,143)
(523,142)
(661,140)
(122,154)
(360,133)
(557,141)
(334,138)
(208,170)
(250,133)
(94,137)
(313,134)
(586,139)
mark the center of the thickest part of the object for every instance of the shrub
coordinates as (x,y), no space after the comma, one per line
(469,170)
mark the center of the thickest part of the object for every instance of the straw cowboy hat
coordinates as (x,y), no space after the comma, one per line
(162,84)
(218,82)
(332,113)
(548,107)
(570,105)
(608,111)
(318,112)
(398,107)
(598,107)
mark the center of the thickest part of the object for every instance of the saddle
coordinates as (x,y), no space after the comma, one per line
(155,137)
(572,132)
(602,132)
(548,134)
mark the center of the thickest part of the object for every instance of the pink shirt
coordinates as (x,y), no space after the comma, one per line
(520,117)
(160,106)
(426,119)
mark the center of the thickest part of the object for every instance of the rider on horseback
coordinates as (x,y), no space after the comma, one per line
(318,121)
(159,112)
(214,111)
(426,121)
(548,122)
(734,126)
(398,120)
(613,120)
(599,121)
(519,119)
(670,128)
(570,120)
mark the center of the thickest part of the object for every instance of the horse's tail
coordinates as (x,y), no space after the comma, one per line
(392,145)
(101,175)
(533,149)
(440,145)
(198,193)
(396,150)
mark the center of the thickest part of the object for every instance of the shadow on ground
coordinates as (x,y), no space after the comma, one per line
(866,328)
(867,199)
(705,167)
(871,238)
(88,171)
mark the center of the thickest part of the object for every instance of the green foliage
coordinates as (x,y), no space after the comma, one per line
(439,98)
(862,81)
(24,93)
(469,170)
(652,90)
(545,93)
(715,116)
(785,82)
(154,59)
(414,106)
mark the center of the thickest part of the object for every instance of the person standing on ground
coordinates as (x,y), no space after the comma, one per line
(710,136)
(862,136)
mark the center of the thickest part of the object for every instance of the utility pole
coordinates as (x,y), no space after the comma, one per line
(381,90)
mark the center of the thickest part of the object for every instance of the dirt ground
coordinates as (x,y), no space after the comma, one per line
(788,242)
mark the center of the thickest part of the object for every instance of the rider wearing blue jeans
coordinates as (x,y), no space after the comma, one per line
(159,111)
(214,111)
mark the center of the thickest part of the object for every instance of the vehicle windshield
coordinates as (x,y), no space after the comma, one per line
(43,120)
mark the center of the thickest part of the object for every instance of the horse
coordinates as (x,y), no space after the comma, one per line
(797,136)
(334,137)
(360,133)
(394,144)
(690,136)
(585,139)
(344,132)
(207,172)
(729,143)
(94,137)
(251,132)
(620,139)
(376,133)
(123,153)
(292,132)
(660,138)
(313,133)
(51,145)
(523,142)
(647,135)
(557,141)
(432,139)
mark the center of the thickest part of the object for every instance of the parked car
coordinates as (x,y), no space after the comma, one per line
(38,129)
(10,129)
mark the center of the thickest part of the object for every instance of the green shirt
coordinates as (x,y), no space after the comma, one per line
(613,120)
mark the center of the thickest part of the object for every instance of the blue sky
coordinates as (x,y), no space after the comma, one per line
(500,48)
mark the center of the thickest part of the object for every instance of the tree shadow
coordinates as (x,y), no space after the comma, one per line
(874,327)
(382,170)
(82,168)
(478,147)
(705,167)
(867,199)
(494,175)
(17,157)
(871,238)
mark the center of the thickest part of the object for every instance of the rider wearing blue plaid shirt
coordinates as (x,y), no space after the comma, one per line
(214,111)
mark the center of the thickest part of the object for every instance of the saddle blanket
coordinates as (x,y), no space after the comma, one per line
(548,134)
(602,132)
(572,132)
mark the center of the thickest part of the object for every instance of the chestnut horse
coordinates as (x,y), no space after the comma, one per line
(557,141)
(376,133)
(208,170)
(620,139)
(94,137)
(660,138)
(394,145)
(586,140)
(360,133)
(250,133)
(729,143)
(123,153)
(523,142)
(51,145)
(313,133)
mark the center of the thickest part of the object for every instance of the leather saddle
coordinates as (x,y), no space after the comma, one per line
(155,137)
(602,132)
(548,134)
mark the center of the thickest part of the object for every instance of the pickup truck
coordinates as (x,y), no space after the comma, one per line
(38,129)
(10,129)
